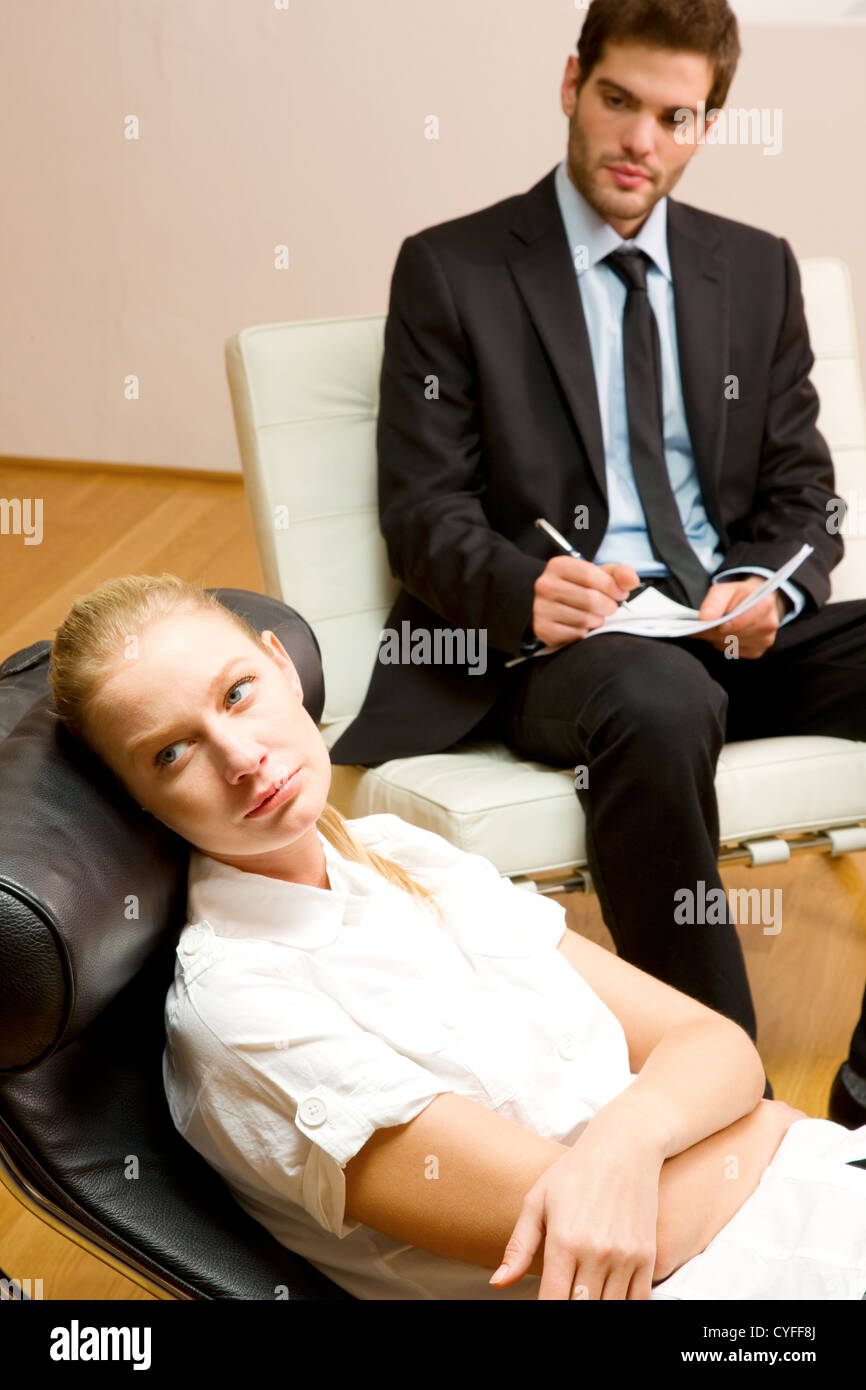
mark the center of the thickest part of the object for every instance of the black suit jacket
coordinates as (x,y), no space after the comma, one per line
(488,305)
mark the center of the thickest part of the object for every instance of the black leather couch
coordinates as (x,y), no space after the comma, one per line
(83,980)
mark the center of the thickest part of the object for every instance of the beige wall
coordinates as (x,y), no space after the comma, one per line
(305,126)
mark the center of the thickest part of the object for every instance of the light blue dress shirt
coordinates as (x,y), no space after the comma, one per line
(603,296)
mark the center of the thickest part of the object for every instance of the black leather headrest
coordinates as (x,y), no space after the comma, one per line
(89,883)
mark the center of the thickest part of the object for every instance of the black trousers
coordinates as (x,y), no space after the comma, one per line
(647,718)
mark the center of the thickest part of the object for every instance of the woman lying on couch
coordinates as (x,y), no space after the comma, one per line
(406,1068)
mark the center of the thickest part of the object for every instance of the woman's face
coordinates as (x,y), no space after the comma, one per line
(198,723)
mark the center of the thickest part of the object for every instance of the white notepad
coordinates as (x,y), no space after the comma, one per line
(654,615)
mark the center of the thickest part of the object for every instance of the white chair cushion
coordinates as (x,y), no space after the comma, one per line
(525,817)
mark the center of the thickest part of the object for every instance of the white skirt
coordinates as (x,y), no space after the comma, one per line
(801,1233)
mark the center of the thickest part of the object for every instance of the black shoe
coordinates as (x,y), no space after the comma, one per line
(847,1103)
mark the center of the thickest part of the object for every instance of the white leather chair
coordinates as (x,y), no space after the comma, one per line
(305,400)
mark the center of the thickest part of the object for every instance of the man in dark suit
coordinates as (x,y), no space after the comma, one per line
(636,371)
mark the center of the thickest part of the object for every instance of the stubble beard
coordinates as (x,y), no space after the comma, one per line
(624,205)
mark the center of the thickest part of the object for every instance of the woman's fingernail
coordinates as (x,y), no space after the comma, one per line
(500,1273)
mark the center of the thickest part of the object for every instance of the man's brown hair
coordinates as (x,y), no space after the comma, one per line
(694,26)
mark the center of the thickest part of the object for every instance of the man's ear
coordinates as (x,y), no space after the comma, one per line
(572,72)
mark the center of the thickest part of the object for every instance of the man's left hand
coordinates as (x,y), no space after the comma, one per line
(755,630)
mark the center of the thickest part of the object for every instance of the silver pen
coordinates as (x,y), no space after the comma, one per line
(569,549)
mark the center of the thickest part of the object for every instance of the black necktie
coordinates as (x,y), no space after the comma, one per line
(643,389)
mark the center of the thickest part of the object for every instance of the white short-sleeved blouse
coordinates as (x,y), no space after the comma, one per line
(300,1020)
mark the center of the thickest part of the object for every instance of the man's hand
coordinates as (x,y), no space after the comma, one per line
(574,596)
(755,631)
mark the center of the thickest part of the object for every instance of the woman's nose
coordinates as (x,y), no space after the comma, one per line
(242,759)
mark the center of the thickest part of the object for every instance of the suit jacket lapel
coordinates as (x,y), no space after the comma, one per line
(542,267)
(543,270)
(703,312)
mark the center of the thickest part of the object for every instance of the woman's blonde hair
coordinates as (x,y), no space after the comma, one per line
(96,631)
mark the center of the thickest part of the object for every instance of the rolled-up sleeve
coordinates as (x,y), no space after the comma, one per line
(301,1086)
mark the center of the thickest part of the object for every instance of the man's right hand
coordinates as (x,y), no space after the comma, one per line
(574,596)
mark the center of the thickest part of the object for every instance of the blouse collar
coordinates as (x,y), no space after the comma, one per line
(237,903)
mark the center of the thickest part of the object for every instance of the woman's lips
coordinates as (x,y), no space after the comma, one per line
(625,180)
(281,795)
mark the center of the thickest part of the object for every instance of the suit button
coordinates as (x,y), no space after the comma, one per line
(312,1111)
(568,1046)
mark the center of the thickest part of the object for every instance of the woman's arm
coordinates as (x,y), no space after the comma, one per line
(703,1187)
(454,1179)
(697,1071)
(698,1075)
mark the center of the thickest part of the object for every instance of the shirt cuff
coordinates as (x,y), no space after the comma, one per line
(794,594)
(344,1132)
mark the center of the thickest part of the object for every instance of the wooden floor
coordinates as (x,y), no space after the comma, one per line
(807,981)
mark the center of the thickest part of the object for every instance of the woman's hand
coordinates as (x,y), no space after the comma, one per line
(596,1210)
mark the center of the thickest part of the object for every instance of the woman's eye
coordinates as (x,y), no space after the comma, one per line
(158,760)
(244,680)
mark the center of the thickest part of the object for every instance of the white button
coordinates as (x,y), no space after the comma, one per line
(568,1046)
(312,1111)
(194,937)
